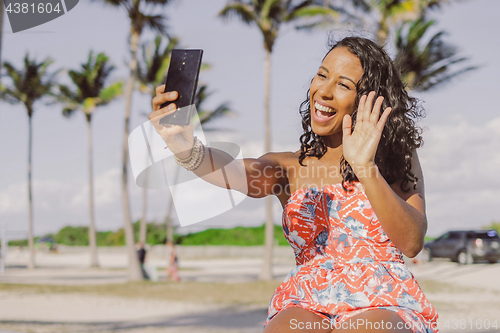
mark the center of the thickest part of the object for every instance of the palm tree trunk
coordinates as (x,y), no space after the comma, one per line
(92,231)
(170,227)
(142,235)
(134,268)
(170,238)
(168,221)
(31,243)
(267,273)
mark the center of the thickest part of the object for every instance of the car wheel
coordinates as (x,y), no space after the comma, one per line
(491,261)
(464,258)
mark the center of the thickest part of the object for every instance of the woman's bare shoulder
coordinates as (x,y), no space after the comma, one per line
(413,191)
(284,159)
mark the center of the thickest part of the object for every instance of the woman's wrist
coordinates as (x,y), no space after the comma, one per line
(366,171)
(182,152)
(195,158)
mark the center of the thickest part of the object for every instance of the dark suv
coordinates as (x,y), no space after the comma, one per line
(465,246)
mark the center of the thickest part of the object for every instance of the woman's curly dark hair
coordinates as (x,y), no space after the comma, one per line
(400,135)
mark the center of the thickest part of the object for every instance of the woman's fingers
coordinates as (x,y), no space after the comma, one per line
(365,107)
(383,118)
(160,90)
(160,113)
(161,98)
(346,125)
(368,106)
(369,111)
(376,110)
(361,107)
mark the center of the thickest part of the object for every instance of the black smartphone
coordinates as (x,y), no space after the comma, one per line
(182,76)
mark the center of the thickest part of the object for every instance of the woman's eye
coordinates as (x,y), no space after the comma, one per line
(345,86)
(321,75)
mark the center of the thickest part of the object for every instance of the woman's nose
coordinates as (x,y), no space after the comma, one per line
(325,91)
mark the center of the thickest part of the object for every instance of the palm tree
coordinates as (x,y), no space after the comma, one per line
(29,85)
(425,65)
(151,72)
(138,21)
(393,12)
(90,93)
(268,16)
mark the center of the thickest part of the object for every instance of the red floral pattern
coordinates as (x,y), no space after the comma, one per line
(345,263)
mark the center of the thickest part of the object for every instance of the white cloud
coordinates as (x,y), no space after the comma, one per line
(461,165)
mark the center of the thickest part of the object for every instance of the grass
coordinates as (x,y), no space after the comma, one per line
(238,236)
(242,293)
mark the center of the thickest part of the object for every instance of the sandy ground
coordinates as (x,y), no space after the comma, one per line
(64,295)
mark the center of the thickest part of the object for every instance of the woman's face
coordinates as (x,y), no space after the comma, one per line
(333,91)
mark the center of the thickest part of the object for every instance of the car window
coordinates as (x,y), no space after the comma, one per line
(443,237)
(454,235)
(490,234)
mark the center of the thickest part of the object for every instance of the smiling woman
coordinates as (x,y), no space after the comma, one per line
(348,228)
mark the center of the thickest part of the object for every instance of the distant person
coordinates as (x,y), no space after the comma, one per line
(173,264)
(141,254)
(352,195)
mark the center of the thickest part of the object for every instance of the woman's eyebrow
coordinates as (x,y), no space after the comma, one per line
(346,78)
(341,76)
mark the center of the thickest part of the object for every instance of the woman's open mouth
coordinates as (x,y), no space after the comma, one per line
(322,113)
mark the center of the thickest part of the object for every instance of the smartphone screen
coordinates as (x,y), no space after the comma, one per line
(182,76)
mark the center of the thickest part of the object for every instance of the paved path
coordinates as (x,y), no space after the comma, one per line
(458,292)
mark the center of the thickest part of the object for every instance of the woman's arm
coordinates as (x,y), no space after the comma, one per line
(401,214)
(255,177)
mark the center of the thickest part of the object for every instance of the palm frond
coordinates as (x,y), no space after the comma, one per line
(207,116)
(90,83)
(156,23)
(154,62)
(13,74)
(239,10)
(159,2)
(312,11)
(426,65)
(442,80)
(271,9)
(10,96)
(220,111)
(111,92)
(115,3)
(28,84)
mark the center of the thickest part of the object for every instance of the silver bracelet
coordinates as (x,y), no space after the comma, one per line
(195,159)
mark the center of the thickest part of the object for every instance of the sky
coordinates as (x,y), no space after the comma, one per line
(460,157)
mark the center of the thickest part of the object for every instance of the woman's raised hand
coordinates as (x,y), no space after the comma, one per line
(179,139)
(360,146)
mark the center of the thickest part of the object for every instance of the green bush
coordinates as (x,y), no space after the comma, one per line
(156,235)
(18,242)
(73,236)
(242,236)
(494,225)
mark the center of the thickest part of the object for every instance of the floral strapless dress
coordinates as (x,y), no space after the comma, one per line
(345,263)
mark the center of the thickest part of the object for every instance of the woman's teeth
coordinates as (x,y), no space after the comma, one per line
(323,108)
